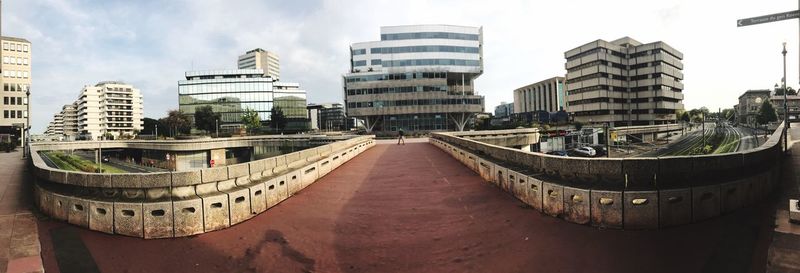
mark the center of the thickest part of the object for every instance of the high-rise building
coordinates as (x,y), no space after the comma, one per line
(56,127)
(327,116)
(262,59)
(504,110)
(416,78)
(547,95)
(16,71)
(110,107)
(65,123)
(232,92)
(624,82)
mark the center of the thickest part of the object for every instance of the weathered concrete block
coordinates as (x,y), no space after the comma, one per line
(238,170)
(640,210)
(674,172)
(256,166)
(78,212)
(576,205)
(534,192)
(57,176)
(214,174)
(519,185)
(309,174)
(45,200)
(128,219)
(733,195)
(101,216)
(258,198)
(127,180)
(98,180)
(552,199)
(273,192)
(293,160)
(158,219)
(608,172)
(486,170)
(336,160)
(157,180)
(705,202)
(606,208)
(216,214)
(675,207)
(186,178)
(294,181)
(78,178)
(641,173)
(278,164)
(60,207)
(282,189)
(471,161)
(501,177)
(324,167)
(188,217)
(239,202)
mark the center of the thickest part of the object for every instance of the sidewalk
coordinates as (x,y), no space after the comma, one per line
(19,241)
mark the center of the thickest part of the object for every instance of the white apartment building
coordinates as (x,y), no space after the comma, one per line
(262,59)
(16,80)
(109,108)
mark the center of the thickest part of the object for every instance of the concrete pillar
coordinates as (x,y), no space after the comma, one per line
(526,148)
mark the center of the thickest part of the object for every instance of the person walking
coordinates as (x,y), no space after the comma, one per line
(400,137)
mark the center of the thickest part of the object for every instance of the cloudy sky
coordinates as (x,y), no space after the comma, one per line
(150,44)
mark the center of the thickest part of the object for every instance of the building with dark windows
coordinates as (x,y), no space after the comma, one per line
(327,117)
(624,82)
(416,78)
(542,102)
(504,110)
(749,104)
(232,92)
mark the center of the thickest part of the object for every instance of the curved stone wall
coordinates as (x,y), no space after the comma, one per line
(175,204)
(630,193)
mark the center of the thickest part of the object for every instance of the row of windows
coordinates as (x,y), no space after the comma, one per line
(430,48)
(419,62)
(12,101)
(15,60)
(15,74)
(15,114)
(15,47)
(397,76)
(399,89)
(389,103)
(361,51)
(15,87)
(430,35)
(360,63)
(224,87)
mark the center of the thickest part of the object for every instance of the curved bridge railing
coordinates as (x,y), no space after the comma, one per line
(183,203)
(630,193)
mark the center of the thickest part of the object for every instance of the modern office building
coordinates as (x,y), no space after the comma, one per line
(416,78)
(624,82)
(504,110)
(109,107)
(543,101)
(262,59)
(749,104)
(16,71)
(327,116)
(232,92)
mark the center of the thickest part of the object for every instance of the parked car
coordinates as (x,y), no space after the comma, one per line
(584,151)
(558,153)
(105,159)
(600,150)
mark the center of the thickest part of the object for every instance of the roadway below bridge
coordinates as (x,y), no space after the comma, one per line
(413,208)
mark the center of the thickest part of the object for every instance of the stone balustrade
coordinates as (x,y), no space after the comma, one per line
(630,193)
(183,203)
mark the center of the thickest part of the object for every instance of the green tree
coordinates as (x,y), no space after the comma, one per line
(177,122)
(789,91)
(205,119)
(277,118)
(766,113)
(251,120)
(150,127)
(685,117)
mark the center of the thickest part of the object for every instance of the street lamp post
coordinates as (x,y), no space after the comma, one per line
(27,121)
(785,102)
(216,126)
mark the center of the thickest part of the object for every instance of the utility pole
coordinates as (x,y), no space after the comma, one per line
(156,126)
(608,140)
(785,101)
(216,126)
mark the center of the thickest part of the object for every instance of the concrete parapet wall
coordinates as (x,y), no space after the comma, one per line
(635,193)
(177,204)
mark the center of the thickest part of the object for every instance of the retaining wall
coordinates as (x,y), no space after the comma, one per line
(630,193)
(175,204)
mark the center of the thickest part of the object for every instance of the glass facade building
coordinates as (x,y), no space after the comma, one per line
(232,92)
(416,78)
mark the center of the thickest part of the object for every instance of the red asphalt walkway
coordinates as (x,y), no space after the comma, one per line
(413,208)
